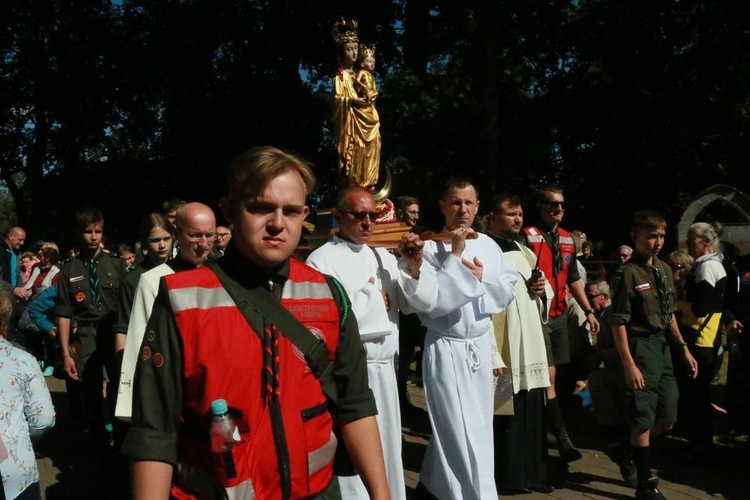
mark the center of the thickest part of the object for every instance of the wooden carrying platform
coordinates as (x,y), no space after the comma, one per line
(383,235)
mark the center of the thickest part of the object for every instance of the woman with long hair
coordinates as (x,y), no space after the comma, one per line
(155,234)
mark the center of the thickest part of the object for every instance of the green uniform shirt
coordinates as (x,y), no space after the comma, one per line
(640,300)
(75,288)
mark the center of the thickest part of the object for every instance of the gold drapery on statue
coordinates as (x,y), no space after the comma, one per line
(357,128)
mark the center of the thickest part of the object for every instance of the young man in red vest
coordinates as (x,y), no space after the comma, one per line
(224,331)
(556,258)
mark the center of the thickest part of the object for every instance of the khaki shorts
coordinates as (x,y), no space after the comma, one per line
(556,340)
(657,402)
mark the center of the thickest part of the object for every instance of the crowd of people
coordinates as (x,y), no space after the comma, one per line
(509,320)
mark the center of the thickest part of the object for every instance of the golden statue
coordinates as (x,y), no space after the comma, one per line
(355,120)
(365,81)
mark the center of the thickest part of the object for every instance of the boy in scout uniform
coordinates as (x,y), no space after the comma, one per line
(87,295)
(643,324)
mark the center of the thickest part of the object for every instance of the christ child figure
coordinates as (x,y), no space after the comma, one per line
(365,85)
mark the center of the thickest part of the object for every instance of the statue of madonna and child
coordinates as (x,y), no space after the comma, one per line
(355,118)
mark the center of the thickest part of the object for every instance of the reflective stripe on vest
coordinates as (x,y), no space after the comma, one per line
(535,238)
(543,253)
(208,321)
(317,459)
(305,290)
(183,299)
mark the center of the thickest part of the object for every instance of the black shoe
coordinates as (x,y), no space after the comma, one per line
(568,452)
(647,490)
(545,488)
(624,461)
(628,472)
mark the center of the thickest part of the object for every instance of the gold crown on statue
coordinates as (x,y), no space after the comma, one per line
(366,50)
(345,32)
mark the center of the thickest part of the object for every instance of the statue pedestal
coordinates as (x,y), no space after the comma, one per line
(383,235)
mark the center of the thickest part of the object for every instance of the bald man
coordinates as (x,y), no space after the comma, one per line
(196,232)
(11,275)
(378,290)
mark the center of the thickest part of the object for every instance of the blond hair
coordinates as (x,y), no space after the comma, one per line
(251,171)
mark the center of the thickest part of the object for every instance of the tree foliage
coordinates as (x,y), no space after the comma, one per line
(125,104)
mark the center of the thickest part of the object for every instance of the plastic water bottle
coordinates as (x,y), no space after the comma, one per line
(224,435)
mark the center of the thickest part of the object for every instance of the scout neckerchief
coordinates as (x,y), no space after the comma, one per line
(661,287)
(552,237)
(273,313)
(271,359)
(556,255)
(96,296)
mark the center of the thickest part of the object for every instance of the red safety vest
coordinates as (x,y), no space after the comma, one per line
(223,358)
(543,253)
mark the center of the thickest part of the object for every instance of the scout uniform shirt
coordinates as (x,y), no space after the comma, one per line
(87,291)
(643,297)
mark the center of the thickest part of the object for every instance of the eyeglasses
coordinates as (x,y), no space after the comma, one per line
(678,267)
(195,237)
(222,235)
(555,204)
(362,215)
(592,297)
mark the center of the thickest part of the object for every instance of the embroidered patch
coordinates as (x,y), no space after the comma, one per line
(567,259)
(76,278)
(642,287)
(158,360)
(145,353)
(80,297)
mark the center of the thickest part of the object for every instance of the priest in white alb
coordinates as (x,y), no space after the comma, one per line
(378,289)
(474,282)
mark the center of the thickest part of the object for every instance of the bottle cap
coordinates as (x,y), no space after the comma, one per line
(219,407)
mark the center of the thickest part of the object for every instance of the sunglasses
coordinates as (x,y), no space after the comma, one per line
(362,215)
(555,204)
(592,297)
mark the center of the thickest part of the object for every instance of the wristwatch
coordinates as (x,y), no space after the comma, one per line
(590,311)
